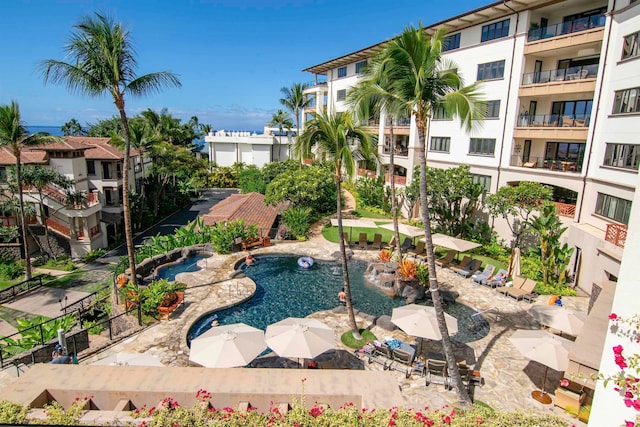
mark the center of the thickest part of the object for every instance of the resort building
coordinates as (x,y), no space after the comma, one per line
(562,97)
(92,220)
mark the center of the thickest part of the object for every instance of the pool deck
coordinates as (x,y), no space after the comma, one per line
(509,377)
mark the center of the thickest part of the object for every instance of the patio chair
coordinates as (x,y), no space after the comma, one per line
(463,264)
(391,245)
(405,358)
(446,260)
(419,250)
(473,266)
(362,241)
(483,275)
(436,372)
(492,280)
(517,283)
(382,355)
(407,244)
(527,287)
(377,241)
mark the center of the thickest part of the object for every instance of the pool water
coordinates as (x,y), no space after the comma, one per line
(189,265)
(283,289)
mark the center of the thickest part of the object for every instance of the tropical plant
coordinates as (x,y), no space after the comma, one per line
(223,177)
(336,138)
(223,235)
(295,100)
(34,332)
(271,170)
(72,127)
(422,274)
(384,255)
(371,193)
(281,120)
(423,82)
(11,271)
(102,60)
(407,269)
(14,135)
(298,220)
(250,180)
(312,186)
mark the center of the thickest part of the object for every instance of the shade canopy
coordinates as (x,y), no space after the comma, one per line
(300,338)
(407,230)
(227,346)
(420,321)
(129,359)
(560,318)
(460,245)
(514,263)
(543,347)
(360,223)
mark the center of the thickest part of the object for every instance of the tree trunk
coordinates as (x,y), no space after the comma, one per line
(23,221)
(454,373)
(392,183)
(128,231)
(345,271)
(46,229)
(142,192)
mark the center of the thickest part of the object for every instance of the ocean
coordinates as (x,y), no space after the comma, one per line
(52,130)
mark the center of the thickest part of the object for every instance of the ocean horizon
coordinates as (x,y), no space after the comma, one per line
(52,130)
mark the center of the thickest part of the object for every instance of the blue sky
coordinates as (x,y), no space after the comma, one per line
(232,57)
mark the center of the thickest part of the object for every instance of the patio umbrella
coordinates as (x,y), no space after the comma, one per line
(227,346)
(406,229)
(455,243)
(358,223)
(420,321)
(550,350)
(129,359)
(514,263)
(560,318)
(300,338)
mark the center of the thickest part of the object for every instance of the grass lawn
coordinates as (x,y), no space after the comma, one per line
(364,213)
(331,233)
(348,340)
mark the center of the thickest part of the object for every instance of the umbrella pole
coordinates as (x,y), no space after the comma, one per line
(540,395)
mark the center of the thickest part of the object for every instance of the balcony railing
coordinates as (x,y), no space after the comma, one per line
(397,179)
(321,80)
(59,227)
(569,27)
(555,120)
(400,151)
(366,172)
(616,234)
(556,165)
(94,231)
(562,75)
(565,209)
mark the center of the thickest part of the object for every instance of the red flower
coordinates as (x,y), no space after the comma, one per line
(629,423)
(620,361)
(618,349)
(613,316)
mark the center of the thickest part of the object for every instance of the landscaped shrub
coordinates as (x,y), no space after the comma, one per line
(93,255)
(35,332)
(298,220)
(62,264)
(11,271)
(371,193)
(223,235)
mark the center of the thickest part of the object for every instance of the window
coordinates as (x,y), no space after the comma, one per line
(91,167)
(440,143)
(451,42)
(341,95)
(439,113)
(485,180)
(482,146)
(491,70)
(493,109)
(622,156)
(626,101)
(342,72)
(613,208)
(496,30)
(630,46)
(359,67)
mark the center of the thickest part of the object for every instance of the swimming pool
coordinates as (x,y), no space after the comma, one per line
(190,264)
(283,289)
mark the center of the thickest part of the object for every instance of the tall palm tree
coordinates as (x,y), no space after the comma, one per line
(295,100)
(102,60)
(336,138)
(282,121)
(14,135)
(424,82)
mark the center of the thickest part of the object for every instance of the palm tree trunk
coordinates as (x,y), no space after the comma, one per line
(461,392)
(142,192)
(46,229)
(128,231)
(23,221)
(345,271)
(392,183)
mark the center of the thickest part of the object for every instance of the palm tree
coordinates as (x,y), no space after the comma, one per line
(336,138)
(102,60)
(295,100)
(424,82)
(14,135)
(282,121)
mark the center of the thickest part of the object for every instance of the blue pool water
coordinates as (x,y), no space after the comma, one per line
(283,289)
(188,265)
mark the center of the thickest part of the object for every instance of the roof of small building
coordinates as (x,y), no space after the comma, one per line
(249,207)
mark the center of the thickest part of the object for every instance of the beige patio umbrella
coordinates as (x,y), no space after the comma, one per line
(358,223)
(561,318)
(455,243)
(227,346)
(406,229)
(514,263)
(420,321)
(299,337)
(550,350)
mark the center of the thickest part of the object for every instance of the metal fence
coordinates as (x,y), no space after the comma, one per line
(9,294)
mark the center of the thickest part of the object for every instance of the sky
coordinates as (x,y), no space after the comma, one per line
(232,56)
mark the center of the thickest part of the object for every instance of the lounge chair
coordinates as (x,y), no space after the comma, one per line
(484,275)
(473,266)
(492,282)
(377,241)
(464,264)
(405,358)
(407,244)
(419,250)
(516,283)
(446,260)
(382,355)
(362,241)
(527,287)
(391,246)
(436,372)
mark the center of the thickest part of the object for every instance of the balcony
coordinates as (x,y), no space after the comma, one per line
(616,234)
(565,209)
(399,151)
(570,27)
(553,165)
(59,227)
(397,179)
(562,75)
(553,126)
(366,172)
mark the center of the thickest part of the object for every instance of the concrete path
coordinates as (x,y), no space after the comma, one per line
(46,301)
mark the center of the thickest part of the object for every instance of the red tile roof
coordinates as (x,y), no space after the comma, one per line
(250,207)
(68,143)
(26,157)
(101,149)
